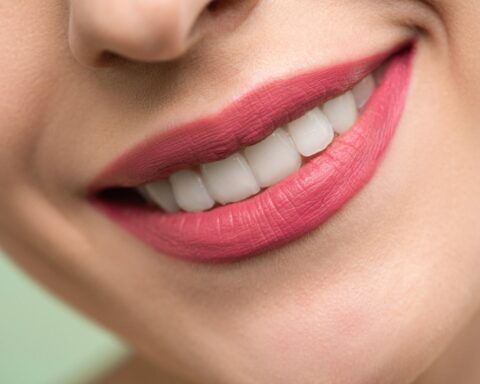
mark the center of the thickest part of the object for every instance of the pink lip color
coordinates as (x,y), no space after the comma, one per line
(285,211)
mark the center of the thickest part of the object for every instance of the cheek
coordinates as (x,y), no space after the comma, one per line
(29,63)
(32,62)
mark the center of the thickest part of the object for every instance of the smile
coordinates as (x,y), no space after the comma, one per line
(269,168)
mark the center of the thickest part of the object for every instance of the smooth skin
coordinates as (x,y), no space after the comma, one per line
(387,291)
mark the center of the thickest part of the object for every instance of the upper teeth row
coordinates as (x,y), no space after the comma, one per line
(244,173)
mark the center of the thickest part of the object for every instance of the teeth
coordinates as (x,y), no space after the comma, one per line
(274,158)
(243,174)
(190,192)
(342,112)
(363,90)
(161,193)
(311,133)
(230,180)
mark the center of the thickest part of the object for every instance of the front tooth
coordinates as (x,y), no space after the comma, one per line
(312,133)
(274,158)
(342,112)
(160,192)
(190,192)
(230,180)
(363,90)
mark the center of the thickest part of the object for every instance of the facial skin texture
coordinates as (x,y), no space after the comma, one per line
(382,293)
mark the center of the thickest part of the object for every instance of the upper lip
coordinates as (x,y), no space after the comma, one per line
(245,122)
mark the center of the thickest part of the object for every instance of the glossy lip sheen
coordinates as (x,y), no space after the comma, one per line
(285,211)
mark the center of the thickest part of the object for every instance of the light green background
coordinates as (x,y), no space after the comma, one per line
(44,342)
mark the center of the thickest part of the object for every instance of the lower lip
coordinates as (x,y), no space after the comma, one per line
(290,209)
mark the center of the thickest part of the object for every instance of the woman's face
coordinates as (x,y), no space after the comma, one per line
(382,282)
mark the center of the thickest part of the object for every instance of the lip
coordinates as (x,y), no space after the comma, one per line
(285,211)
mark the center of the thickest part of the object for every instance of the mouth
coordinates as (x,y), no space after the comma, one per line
(271,167)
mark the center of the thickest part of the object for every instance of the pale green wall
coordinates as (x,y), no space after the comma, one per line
(44,342)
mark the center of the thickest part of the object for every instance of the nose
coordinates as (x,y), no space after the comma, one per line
(139,30)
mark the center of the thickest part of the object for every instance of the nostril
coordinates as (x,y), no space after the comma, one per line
(213,5)
(217,6)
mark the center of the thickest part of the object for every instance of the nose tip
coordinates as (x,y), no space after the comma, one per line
(139,30)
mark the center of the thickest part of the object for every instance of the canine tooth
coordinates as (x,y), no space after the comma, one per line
(161,193)
(230,180)
(274,158)
(311,133)
(190,192)
(363,91)
(342,112)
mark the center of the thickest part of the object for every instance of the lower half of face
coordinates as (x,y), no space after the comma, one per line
(291,200)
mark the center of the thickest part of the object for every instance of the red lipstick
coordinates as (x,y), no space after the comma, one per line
(285,211)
